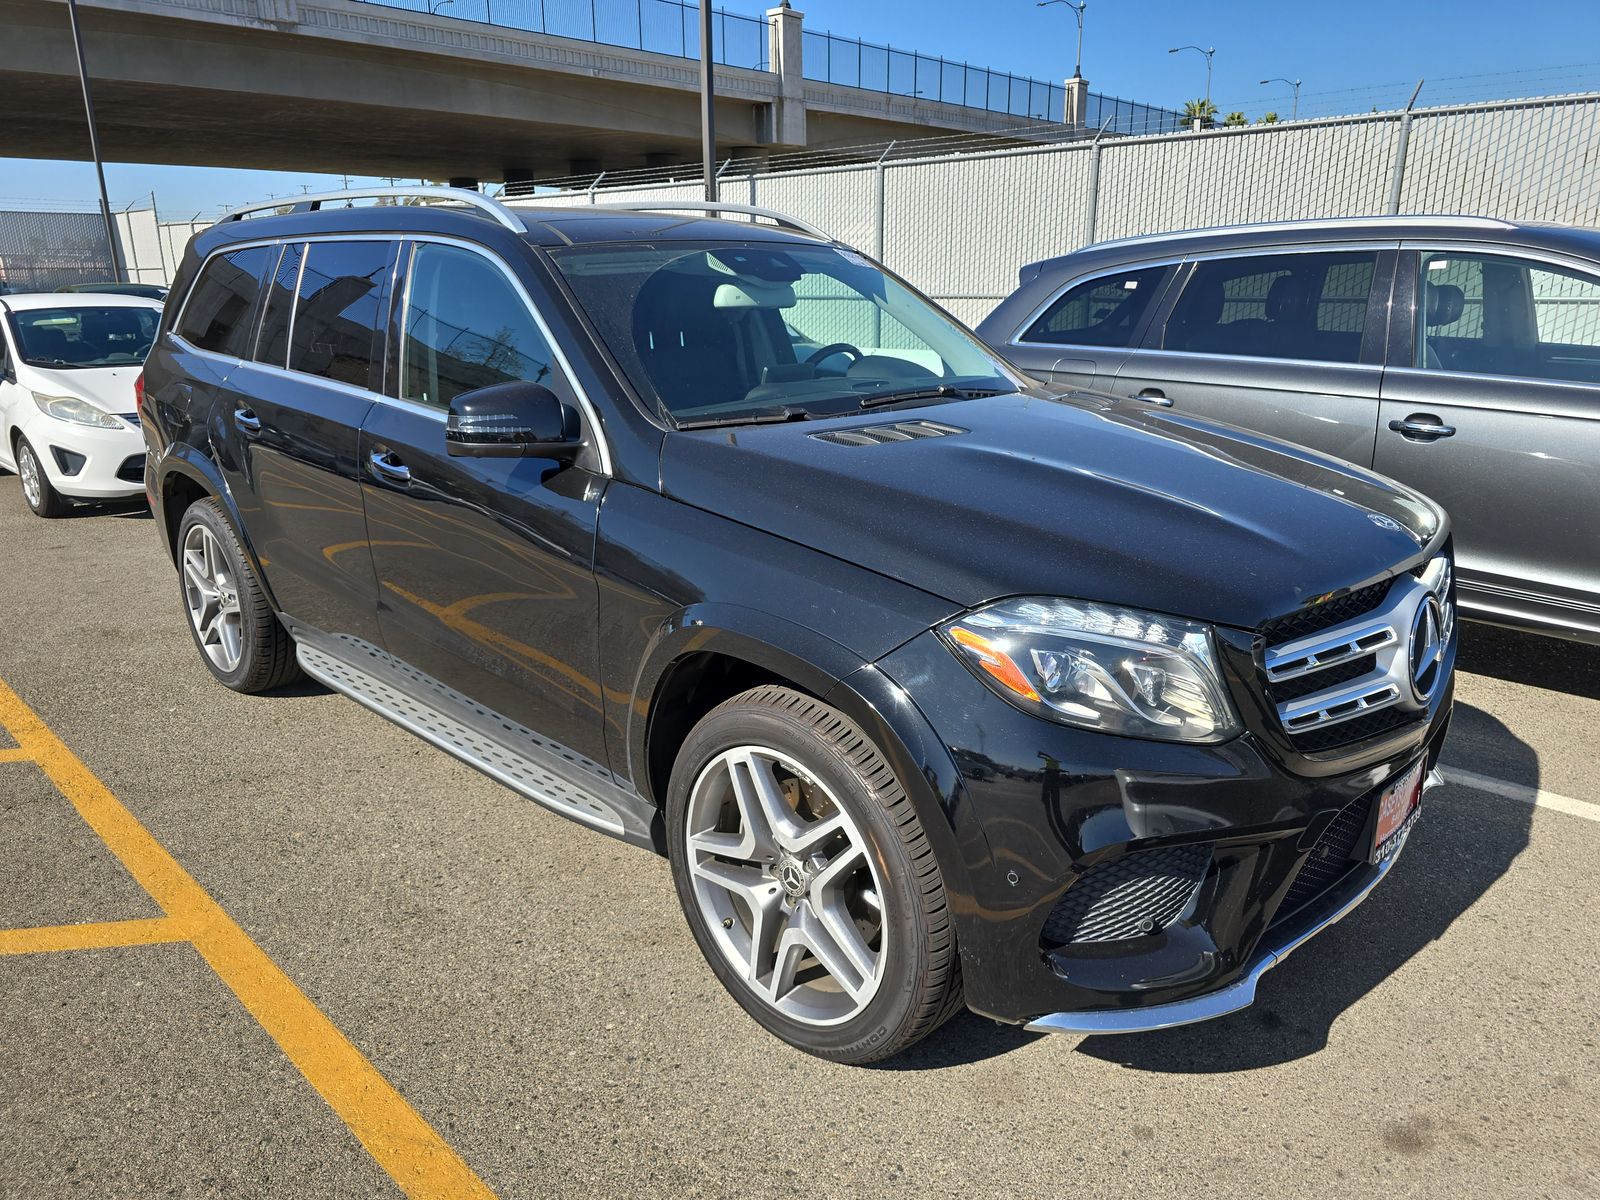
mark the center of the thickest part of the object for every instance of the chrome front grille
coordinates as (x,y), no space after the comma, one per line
(1373,660)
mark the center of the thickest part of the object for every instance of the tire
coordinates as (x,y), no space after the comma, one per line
(896,981)
(38,493)
(240,639)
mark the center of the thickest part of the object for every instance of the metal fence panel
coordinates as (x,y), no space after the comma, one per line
(841,202)
(41,251)
(1291,172)
(960,228)
(1536,162)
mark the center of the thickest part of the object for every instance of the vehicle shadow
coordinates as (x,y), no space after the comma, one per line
(1464,843)
(1554,664)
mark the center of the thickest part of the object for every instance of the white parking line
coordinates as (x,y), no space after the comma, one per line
(1517,791)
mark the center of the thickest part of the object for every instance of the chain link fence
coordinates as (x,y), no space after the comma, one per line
(42,251)
(959,225)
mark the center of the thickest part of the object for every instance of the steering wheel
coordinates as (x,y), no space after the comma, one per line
(832,348)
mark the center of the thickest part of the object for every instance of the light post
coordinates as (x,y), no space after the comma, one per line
(94,142)
(1077,7)
(1295,84)
(1208,54)
(435,5)
(708,96)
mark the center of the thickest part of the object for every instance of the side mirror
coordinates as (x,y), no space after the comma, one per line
(512,420)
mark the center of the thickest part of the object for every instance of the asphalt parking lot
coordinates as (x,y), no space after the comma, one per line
(273,946)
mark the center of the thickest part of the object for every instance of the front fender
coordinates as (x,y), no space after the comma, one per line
(181,461)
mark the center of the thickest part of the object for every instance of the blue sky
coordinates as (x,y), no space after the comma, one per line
(1351,57)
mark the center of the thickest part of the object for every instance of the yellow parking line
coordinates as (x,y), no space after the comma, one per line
(406,1146)
(100,935)
(17,755)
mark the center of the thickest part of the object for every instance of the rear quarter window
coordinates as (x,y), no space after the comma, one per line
(222,304)
(1105,311)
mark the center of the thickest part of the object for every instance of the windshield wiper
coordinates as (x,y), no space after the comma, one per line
(941,392)
(766,416)
(50,362)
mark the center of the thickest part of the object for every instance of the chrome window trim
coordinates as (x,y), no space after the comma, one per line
(1317,363)
(590,413)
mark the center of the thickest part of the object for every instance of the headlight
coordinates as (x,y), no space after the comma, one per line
(1117,670)
(79,412)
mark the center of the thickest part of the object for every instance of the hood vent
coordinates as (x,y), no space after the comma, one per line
(877,435)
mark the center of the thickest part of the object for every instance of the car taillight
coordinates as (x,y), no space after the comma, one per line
(138,392)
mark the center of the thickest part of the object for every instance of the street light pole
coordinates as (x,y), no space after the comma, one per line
(1077,7)
(1208,53)
(94,142)
(708,117)
(1295,84)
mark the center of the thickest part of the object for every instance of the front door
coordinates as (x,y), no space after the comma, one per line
(1082,336)
(1273,342)
(484,565)
(287,424)
(1494,411)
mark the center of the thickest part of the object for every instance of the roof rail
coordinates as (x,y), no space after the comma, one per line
(716,207)
(311,203)
(1380,221)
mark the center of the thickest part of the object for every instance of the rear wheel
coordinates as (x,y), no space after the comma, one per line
(240,638)
(807,879)
(37,490)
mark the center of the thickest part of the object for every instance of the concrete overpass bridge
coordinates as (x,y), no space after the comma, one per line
(375,89)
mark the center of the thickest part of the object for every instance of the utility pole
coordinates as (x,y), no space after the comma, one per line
(94,142)
(708,118)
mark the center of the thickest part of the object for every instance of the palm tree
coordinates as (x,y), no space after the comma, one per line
(1234,119)
(1270,119)
(1202,111)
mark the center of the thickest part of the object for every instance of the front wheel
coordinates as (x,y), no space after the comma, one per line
(807,879)
(41,496)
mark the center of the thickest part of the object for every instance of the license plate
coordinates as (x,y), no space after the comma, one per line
(1398,810)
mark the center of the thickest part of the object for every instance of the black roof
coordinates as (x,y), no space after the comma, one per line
(1529,235)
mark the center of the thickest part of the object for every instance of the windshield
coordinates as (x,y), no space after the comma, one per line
(69,338)
(728,330)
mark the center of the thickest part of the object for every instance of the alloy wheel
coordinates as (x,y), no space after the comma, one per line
(212,595)
(28,470)
(787,885)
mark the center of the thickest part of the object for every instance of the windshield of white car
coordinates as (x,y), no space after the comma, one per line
(72,338)
(713,331)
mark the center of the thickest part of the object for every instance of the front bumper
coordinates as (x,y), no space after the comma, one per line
(1281,941)
(112,459)
(1041,811)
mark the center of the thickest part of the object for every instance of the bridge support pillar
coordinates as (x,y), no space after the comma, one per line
(788,126)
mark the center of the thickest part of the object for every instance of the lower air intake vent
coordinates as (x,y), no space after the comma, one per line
(1128,897)
(878,435)
(1338,850)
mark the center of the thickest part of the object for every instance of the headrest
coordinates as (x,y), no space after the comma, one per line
(1443,304)
(1288,298)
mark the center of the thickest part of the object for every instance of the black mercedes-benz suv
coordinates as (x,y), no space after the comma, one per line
(936,685)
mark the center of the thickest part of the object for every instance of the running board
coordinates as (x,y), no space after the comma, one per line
(544,771)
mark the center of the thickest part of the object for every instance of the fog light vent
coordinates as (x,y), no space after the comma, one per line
(69,461)
(1132,896)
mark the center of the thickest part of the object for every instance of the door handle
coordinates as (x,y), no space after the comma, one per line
(247,420)
(1154,396)
(1423,427)
(386,466)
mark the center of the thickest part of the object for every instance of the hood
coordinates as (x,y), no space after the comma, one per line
(1085,496)
(109,389)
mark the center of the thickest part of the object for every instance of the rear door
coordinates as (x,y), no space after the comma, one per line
(1085,331)
(287,423)
(485,566)
(1491,405)
(1287,342)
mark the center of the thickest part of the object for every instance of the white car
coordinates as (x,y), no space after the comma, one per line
(68,421)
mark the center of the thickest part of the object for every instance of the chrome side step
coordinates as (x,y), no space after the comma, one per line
(548,774)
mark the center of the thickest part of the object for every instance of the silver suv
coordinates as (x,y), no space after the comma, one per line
(1460,355)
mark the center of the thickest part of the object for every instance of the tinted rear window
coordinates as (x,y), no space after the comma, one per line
(336,316)
(218,314)
(1098,312)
